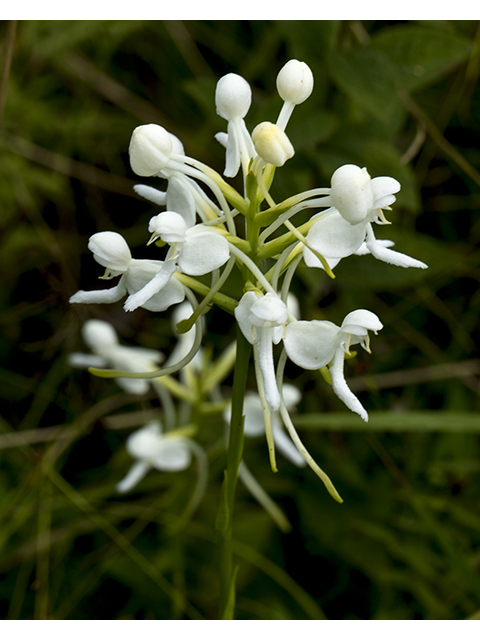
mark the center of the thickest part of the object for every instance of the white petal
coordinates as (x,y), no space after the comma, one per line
(222,138)
(86,360)
(174,455)
(169,225)
(233,96)
(252,409)
(340,387)
(150,193)
(137,471)
(156,284)
(311,345)
(102,296)
(232,159)
(311,260)
(203,252)
(334,237)
(111,250)
(291,395)
(265,361)
(391,257)
(144,442)
(181,200)
(363,319)
(242,314)
(363,249)
(384,186)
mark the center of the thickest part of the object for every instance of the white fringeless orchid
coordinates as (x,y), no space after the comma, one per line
(153,449)
(357,201)
(101,338)
(112,252)
(261,320)
(183,195)
(195,251)
(314,344)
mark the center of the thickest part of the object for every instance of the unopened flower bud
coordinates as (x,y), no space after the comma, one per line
(233,96)
(272,144)
(295,82)
(150,149)
(110,250)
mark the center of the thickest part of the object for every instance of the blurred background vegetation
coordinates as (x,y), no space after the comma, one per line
(400,98)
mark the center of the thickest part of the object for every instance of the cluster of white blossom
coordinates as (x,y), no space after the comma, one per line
(199,227)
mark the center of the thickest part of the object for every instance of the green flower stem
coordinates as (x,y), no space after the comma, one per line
(234,457)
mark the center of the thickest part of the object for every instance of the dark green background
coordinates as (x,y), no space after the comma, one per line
(400,98)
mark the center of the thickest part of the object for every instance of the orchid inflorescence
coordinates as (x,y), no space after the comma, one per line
(199,227)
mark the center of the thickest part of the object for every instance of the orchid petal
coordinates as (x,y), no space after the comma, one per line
(341,388)
(232,161)
(101,296)
(151,194)
(334,237)
(383,186)
(265,361)
(387,255)
(137,472)
(154,286)
(203,252)
(173,455)
(311,345)
(181,200)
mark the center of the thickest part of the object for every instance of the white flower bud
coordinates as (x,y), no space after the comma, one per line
(272,144)
(169,226)
(150,149)
(110,250)
(233,96)
(295,82)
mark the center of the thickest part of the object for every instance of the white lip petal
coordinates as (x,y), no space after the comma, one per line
(341,388)
(137,472)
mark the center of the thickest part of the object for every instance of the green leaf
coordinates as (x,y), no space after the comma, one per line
(367,76)
(420,55)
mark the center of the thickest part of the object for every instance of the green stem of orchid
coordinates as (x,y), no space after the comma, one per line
(224,522)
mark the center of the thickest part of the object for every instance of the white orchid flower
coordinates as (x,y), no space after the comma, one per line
(101,338)
(154,450)
(312,345)
(358,201)
(261,320)
(254,424)
(233,97)
(183,195)
(111,251)
(195,251)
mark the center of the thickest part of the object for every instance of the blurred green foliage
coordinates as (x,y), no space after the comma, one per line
(401,99)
